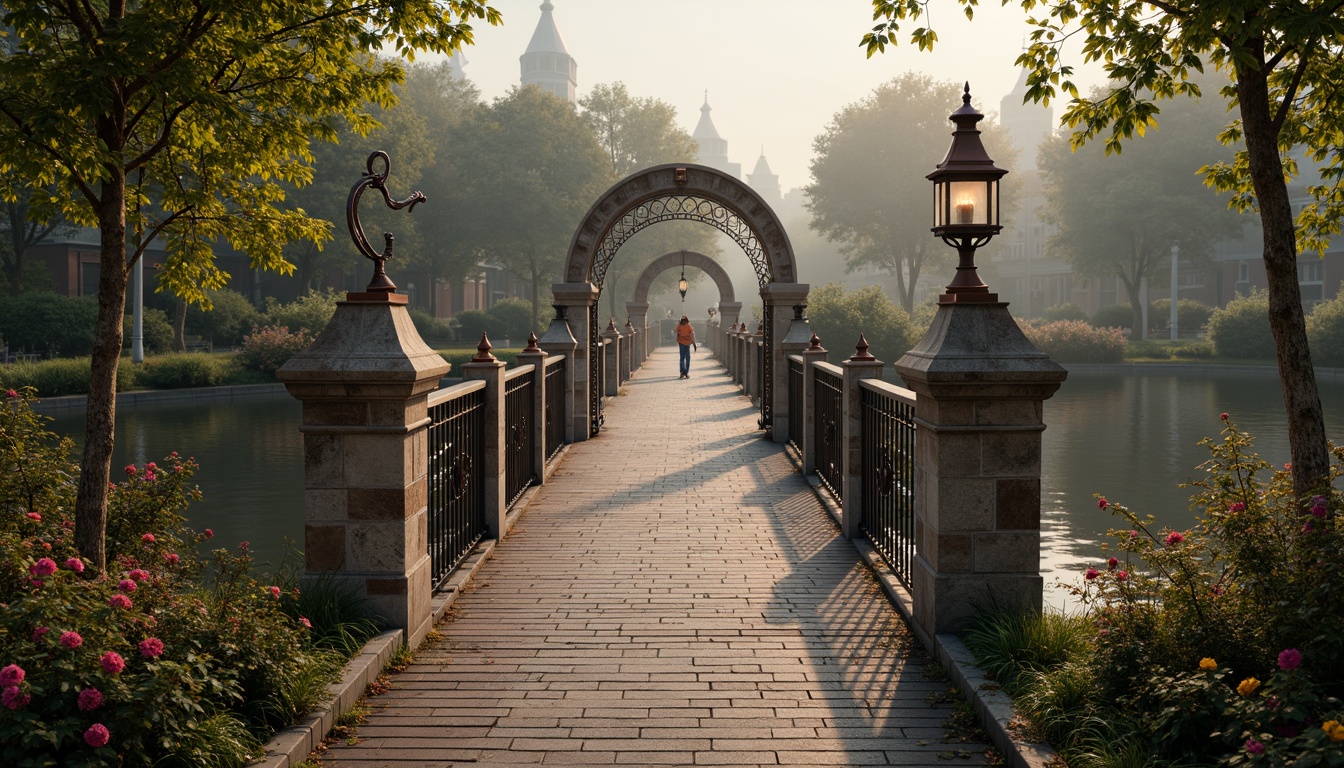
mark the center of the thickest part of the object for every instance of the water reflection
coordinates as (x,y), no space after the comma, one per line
(251,457)
(1134,439)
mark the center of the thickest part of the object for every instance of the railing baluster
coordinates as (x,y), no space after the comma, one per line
(827,415)
(888,444)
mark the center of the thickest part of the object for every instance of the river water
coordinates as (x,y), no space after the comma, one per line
(1132,439)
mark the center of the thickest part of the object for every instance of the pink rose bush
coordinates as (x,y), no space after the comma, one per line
(86,652)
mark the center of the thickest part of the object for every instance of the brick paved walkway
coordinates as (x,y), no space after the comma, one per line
(675,595)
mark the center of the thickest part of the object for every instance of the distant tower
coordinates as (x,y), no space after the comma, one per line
(547,62)
(456,66)
(765,183)
(1028,124)
(713,149)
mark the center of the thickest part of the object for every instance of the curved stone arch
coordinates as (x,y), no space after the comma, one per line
(680,192)
(675,259)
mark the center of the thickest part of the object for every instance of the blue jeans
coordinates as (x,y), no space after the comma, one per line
(685,358)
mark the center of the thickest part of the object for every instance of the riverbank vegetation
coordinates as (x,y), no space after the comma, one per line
(1218,644)
(172,657)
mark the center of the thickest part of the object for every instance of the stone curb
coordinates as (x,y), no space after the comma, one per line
(992,706)
(153,396)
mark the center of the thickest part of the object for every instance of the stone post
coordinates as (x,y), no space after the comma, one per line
(613,348)
(813,354)
(490,369)
(794,343)
(860,366)
(364,384)
(639,317)
(629,361)
(981,386)
(728,313)
(533,355)
(781,297)
(558,340)
(740,355)
(577,298)
(757,347)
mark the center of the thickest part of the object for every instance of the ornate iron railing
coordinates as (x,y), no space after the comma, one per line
(795,401)
(555,405)
(827,411)
(520,469)
(456,484)
(767,389)
(888,475)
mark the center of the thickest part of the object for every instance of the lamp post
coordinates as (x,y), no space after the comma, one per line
(681,284)
(966,203)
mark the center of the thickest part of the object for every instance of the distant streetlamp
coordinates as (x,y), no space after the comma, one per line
(681,284)
(966,203)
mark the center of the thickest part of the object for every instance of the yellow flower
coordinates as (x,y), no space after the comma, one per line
(1207,664)
(1333,729)
(1248,686)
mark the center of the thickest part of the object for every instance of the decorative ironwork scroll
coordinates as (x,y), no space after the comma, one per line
(680,208)
(380,281)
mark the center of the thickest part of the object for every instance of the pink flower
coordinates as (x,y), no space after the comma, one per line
(1092,574)
(151,647)
(35,516)
(11,394)
(90,699)
(138,574)
(1254,747)
(1237,507)
(1102,503)
(151,465)
(148,538)
(305,622)
(149,476)
(37,583)
(1223,415)
(39,633)
(11,675)
(1174,538)
(1318,508)
(97,735)
(130,470)
(126,585)
(275,592)
(71,639)
(1290,659)
(1111,564)
(1133,534)
(171,558)
(14,698)
(1122,575)
(43,567)
(112,663)
(209,534)
(120,601)
(75,564)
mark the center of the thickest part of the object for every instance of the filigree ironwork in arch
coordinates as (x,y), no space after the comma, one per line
(681,208)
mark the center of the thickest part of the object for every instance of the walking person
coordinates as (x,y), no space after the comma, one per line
(685,343)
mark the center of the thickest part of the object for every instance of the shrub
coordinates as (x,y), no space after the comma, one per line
(182,370)
(309,313)
(1241,329)
(55,378)
(1191,315)
(158,330)
(1068,311)
(838,317)
(431,328)
(1325,332)
(266,349)
(163,662)
(514,319)
(471,323)
(1074,341)
(228,320)
(48,323)
(1114,316)
(460,357)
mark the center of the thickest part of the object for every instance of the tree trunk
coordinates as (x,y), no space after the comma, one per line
(1306,422)
(101,413)
(180,327)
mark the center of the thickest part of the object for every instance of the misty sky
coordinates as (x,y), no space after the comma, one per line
(776,70)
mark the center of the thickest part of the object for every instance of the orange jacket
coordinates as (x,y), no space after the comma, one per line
(685,334)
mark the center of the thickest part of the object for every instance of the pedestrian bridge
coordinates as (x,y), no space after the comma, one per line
(675,593)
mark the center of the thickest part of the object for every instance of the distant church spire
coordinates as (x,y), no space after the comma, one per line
(713,148)
(765,182)
(547,63)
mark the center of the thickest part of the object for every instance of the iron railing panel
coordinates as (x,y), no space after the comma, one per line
(520,469)
(795,402)
(555,406)
(827,412)
(888,474)
(456,475)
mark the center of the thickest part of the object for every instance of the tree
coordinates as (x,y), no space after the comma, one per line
(837,317)
(1283,65)
(21,233)
(639,133)
(1149,199)
(205,108)
(526,168)
(866,192)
